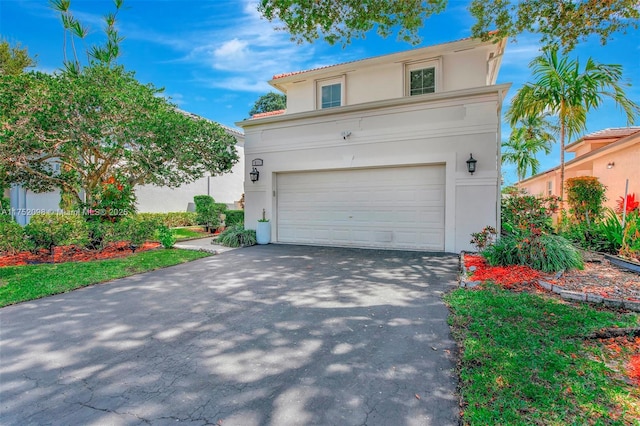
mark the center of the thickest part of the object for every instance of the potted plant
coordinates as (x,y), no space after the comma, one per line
(263,230)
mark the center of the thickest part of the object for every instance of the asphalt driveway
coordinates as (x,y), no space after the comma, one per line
(266,335)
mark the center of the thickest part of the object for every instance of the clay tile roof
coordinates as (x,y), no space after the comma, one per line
(269,113)
(615,133)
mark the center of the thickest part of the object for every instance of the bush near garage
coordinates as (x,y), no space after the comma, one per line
(527,237)
(237,236)
(234,217)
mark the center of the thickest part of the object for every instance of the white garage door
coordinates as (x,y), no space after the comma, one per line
(395,207)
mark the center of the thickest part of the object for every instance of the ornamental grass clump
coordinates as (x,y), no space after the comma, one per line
(543,252)
(237,236)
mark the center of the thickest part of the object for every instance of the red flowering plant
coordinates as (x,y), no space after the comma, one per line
(112,199)
(631,204)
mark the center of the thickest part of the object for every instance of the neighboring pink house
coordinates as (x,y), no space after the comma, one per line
(611,155)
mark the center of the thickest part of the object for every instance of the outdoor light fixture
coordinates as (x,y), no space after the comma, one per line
(610,165)
(471,164)
(255,174)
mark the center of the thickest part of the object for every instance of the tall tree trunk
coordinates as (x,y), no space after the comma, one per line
(562,131)
(562,117)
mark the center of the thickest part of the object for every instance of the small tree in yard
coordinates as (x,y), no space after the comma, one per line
(206,210)
(85,124)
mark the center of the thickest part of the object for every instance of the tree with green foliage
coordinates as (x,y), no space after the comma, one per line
(558,22)
(564,90)
(14,60)
(75,129)
(270,102)
(530,136)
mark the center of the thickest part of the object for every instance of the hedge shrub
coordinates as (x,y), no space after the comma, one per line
(172,219)
(234,217)
(50,230)
(137,229)
(13,238)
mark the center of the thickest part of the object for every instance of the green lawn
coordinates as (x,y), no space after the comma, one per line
(188,233)
(524,361)
(22,283)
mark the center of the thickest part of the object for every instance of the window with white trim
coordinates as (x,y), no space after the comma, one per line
(330,93)
(422,77)
(549,187)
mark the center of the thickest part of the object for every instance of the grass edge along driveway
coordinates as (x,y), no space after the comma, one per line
(524,360)
(29,282)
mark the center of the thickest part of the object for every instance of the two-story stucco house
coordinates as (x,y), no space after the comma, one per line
(373,153)
(611,155)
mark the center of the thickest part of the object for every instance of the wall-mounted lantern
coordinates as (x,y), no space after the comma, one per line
(610,165)
(254,175)
(471,164)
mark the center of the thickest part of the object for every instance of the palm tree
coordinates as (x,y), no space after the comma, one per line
(534,134)
(563,90)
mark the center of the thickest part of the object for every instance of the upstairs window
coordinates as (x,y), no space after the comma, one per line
(422,77)
(422,81)
(330,93)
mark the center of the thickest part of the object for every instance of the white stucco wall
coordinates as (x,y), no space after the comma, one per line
(227,188)
(442,129)
(372,80)
(25,203)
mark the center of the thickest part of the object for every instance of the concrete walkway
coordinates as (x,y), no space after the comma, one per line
(203,244)
(265,335)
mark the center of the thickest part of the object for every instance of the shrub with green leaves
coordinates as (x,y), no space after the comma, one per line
(484,238)
(101,234)
(172,219)
(206,211)
(136,229)
(237,236)
(585,195)
(166,237)
(13,238)
(631,236)
(50,230)
(234,217)
(523,214)
(544,252)
(5,208)
(589,237)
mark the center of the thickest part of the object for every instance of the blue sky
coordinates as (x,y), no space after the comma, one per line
(214,57)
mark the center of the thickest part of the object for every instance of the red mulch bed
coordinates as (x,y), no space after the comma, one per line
(599,276)
(73,254)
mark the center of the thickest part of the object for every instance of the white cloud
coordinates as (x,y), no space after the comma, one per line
(240,52)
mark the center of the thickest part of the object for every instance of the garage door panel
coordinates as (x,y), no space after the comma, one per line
(401,207)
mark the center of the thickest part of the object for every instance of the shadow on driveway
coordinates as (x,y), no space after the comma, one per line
(266,335)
